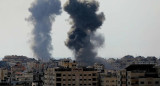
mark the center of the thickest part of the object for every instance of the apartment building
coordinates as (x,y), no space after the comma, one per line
(26,77)
(99,67)
(149,81)
(18,67)
(109,81)
(121,78)
(3,75)
(139,75)
(67,63)
(108,78)
(71,77)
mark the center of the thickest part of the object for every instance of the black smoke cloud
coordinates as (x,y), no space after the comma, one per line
(82,38)
(43,12)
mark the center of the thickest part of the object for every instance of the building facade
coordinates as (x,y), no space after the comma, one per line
(139,75)
(71,77)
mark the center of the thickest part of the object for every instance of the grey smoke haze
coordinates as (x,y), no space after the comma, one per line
(43,12)
(82,38)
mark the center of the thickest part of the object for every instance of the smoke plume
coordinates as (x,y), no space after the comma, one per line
(43,12)
(82,38)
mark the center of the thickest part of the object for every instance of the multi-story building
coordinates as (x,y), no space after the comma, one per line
(149,81)
(68,63)
(26,77)
(108,78)
(71,77)
(4,75)
(109,81)
(139,75)
(15,59)
(121,78)
(99,67)
(18,67)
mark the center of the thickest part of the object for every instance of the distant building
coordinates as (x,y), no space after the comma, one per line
(99,67)
(25,78)
(18,67)
(71,77)
(4,75)
(108,78)
(12,59)
(67,63)
(139,75)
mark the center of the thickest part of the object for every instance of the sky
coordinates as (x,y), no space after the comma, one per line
(131,28)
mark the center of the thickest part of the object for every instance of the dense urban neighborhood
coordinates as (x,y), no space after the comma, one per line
(127,71)
(79,42)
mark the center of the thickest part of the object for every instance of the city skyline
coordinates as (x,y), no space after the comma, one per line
(131,27)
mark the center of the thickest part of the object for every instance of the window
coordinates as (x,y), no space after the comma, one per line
(157,82)
(149,82)
(58,75)
(136,82)
(58,84)
(93,74)
(129,83)
(69,74)
(142,82)
(94,79)
(73,74)
(94,83)
(58,79)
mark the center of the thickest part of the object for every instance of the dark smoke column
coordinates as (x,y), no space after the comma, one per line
(43,12)
(82,38)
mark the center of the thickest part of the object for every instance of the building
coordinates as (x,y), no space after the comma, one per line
(99,67)
(121,78)
(18,67)
(71,77)
(108,78)
(15,59)
(67,63)
(24,78)
(139,75)
(4,75)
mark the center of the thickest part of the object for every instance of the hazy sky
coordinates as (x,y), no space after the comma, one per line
(131,27)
